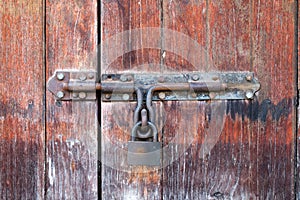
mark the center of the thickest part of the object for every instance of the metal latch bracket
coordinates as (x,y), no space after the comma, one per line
(82,85)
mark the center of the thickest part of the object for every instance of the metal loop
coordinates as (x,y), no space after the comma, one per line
(144,118)
(139,105)
(152,129)
(149,104)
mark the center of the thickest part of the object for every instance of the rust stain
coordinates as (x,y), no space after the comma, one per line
(138,175)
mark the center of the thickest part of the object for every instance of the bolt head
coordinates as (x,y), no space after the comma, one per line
(195,77)
(60,76)
(107,96)
(194,95)
(60,94)
(129,78)
(249,94)
(161,79)
(123,78)
(215,78)
(82,95)
(75,95)
(125,97)
(162,95)
(82,77)
(91,75)
(249,77)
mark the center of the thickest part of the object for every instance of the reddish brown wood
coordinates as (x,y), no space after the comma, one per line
(297,64)
(71,43)
(21,100)
(253,157)
(118,180)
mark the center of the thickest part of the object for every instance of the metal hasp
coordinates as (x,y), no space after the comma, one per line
(73,85)
(144,147)
(82,85)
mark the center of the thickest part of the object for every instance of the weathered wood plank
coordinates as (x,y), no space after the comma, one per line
(118,180)
(297,64)
(185,121)
(253,156)
(273,30)
(71,43)
(22,106)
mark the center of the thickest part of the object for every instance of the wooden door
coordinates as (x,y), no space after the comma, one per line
(246,149)
(253,156)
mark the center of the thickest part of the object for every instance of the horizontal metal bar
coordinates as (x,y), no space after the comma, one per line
(129,87)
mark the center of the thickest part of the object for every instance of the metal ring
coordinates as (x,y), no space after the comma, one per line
(144,134)
(152,127)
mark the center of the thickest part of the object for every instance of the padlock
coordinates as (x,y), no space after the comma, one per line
(144,153)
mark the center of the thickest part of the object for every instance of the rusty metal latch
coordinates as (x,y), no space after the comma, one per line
(82,85)
(144,147)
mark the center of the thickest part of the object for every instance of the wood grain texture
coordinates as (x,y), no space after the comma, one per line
(253,156)
(21,100)
(297,65)
(122,17)
(71,43)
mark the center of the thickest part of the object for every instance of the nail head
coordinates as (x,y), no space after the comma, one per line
(162,95)
(60,76)
(195,77)
(75,95)
(125,97)
(161,79)
(107,96)
(249,78)
(82,77)
(123,78)
(249,94)
(60,94)
(82,95)
(91,75)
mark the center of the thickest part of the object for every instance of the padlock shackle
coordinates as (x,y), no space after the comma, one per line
(151,125)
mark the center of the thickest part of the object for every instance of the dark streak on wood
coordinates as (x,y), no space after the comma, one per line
(22,138)
(12,107)
(255,110)
(20,176)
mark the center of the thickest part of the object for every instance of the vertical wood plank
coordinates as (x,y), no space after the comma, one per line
(22,106)
(273,26)
(253,156)
(185,121)
(71,43)
(119,20)
(297,64)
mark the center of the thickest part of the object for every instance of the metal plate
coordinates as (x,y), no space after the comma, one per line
(239,85)
(84,82)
